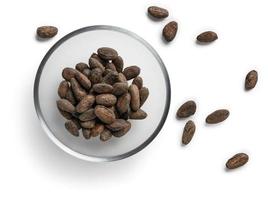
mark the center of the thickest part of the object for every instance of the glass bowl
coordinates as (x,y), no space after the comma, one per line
(77,47)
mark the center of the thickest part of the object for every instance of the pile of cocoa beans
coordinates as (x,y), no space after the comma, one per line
(97,98)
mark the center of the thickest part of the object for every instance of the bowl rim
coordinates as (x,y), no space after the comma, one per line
(43,121)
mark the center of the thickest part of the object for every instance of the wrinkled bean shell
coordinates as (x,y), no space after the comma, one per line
(96,56)
(46,31)
(120,88)
(138,81)
(72,128)
(107,53)
(105,135)
(117,125)
(123,131)
(86,133)
(97,130)
(85,103)
(78,91)
(86,72)
(144,93)
(65,114)
(135,97)
(251,80)
(123,103)
(106,115)
(94,63)
(102,88)
(121,78)
(217,116)
(88,115)
(65,105)
(111,78)
(70,96)
(77,123)
(131,72)
(106,99)
(237,160)
(96,75)
(63,89)
(208,36)
(88,124)
(119,63)
(188,132)
(187,109)
(170,31)
(110,66)
(68,73)
(139,114)
(158,12)
(81,66)
(83,80)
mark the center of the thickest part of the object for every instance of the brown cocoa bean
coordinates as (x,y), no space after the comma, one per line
(105,114)
(63,89)
(110,66)
(97,130)
(68,73)
(107,53)
(123,131)
(105,135)
(65,114)
(81,66)
(102,88)
(94,63)
(106,99)
(158,12)
(46,31)
(86,133)
(208,36)
(86,72)
(144,93)
(83,80)
(121,78)
(131,72)
(237,160)
(138,81)
(139,114)
(96,56)
(77,90)
(96,75)
(120,88)
(135,97)
(72,128)
(188,132)
(65,105)
(170,31)
(85,103)
(70,96)
(117,125)
(187,109)
(77,123)
(217,116)
(88,124)
(88,115)
(123,103)
(119,63)
(106,71)
(251,80)
(111,78)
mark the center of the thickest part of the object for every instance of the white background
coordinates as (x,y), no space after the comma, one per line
(213,75)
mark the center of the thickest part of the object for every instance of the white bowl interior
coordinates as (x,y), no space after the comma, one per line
(78,48)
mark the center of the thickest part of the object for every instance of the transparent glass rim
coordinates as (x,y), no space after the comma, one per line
(50,132)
